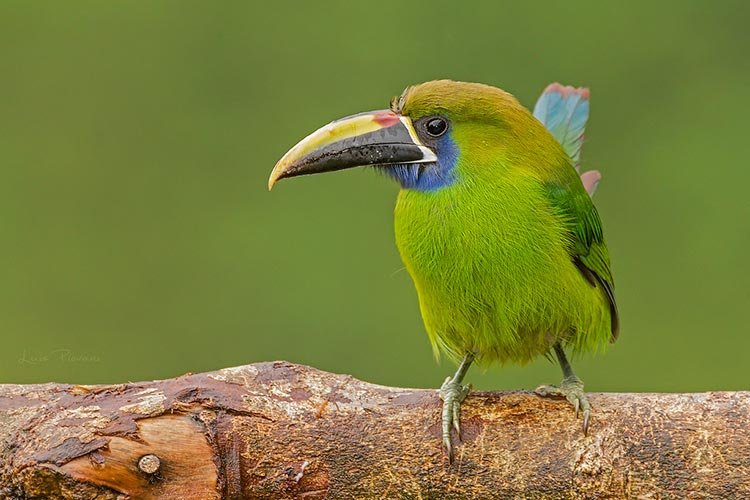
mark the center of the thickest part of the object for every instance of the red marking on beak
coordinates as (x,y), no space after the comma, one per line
(386,118)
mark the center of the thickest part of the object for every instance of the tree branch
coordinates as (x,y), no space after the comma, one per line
(278,430)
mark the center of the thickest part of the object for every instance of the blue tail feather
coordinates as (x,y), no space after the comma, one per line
(564,110)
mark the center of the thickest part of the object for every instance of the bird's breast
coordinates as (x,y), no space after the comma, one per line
(479,251)
(492,270)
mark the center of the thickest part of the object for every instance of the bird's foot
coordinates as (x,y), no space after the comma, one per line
(572,390)
(452,393)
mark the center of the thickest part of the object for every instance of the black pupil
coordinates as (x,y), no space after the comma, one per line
(436,126)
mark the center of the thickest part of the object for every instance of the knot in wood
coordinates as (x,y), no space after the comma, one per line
(149,464)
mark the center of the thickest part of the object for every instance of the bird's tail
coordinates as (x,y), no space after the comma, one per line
(564,110)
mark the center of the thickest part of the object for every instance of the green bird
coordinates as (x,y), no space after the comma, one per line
(493,223)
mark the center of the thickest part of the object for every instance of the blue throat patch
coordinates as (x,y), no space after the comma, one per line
(428,176)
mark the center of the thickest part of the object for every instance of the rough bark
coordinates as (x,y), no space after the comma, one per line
(278,430)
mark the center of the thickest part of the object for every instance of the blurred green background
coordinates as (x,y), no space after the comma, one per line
(139,240)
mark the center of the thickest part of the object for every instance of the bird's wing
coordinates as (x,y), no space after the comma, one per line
(588,249)
(564,111)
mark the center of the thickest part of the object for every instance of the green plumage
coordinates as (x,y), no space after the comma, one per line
(509,258)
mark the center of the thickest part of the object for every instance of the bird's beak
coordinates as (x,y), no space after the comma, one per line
(372,138)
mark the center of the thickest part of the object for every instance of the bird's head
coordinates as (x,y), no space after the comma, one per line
(419,140)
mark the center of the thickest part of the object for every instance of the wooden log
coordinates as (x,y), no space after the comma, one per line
(279,430)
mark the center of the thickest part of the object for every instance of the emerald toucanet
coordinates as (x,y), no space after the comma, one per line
(493,223)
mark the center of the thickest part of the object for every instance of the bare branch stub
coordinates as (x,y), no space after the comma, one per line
(149,464)
(278,430)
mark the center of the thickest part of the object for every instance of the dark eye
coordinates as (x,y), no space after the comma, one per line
(436,126)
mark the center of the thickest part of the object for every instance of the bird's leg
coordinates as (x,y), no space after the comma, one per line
(571,388)
(453,393)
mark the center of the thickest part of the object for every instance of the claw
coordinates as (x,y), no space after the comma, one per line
(572,390)
(456,420)
(586,414)
(452,393)
(448,448)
